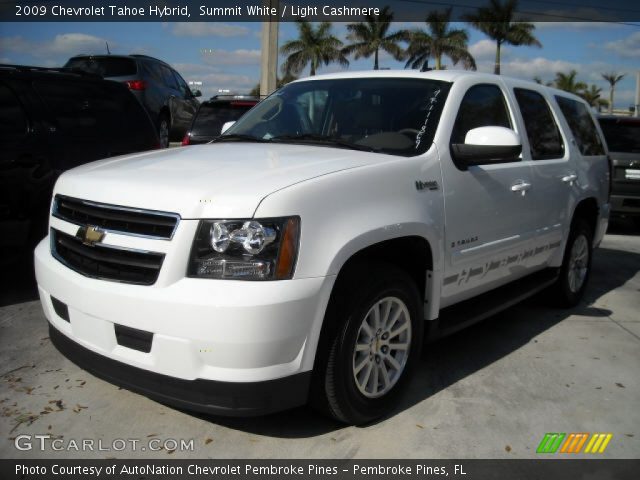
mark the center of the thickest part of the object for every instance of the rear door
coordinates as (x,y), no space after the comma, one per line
(181,103)
(555,177)
(489,211)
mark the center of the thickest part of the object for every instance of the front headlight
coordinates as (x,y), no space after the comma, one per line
(264,249)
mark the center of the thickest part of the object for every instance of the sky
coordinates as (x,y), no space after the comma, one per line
(227,55)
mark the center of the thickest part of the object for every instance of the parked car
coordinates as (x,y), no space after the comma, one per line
(213,114)
(159,87)
(303,254)
(51,121)
(623,138)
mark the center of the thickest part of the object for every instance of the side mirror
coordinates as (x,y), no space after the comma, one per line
(196,93)
(226,126)
(486,145)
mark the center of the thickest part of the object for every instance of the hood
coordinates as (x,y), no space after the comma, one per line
(225,180)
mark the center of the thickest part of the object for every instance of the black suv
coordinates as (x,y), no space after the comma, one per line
(623,138)
(214,113)
(161,90)
(51,121)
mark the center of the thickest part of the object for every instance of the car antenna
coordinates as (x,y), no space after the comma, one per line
(108,51)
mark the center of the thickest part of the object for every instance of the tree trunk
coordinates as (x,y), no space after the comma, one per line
(313,67)
(496,67)
(438,62)
(611,100)
(375,60)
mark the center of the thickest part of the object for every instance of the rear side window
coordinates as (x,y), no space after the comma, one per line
(13,121)
(482,106)
(582,126)
(97,110)
(542,131)
(212,116)
(168,78)
(621,134)
(104,66)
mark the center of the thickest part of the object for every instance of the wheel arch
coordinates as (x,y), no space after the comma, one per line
(587,209)
(412,253)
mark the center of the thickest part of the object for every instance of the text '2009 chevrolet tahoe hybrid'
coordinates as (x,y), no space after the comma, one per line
(306,253)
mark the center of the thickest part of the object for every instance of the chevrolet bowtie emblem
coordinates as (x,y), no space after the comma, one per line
(90,235)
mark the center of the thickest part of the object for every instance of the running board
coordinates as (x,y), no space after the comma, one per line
(463,314)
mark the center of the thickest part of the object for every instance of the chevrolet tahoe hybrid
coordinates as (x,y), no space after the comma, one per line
(306,254)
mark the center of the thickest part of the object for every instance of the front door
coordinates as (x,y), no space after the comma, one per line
(489,211)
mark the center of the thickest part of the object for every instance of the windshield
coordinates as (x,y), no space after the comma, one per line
(397,116)
(622,135)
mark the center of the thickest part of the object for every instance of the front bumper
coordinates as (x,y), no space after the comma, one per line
(216,345)
(207,396)
(625,205)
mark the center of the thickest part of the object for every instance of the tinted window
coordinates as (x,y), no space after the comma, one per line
(621,134)
(543,133)
(212,116)
(104,66)
(398,116)
(13,120)
(581,125)
(482,106)
(153,70)
(182,85)
(97,110)
(168,78)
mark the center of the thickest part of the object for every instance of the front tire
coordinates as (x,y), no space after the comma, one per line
(376,342)
(576,266)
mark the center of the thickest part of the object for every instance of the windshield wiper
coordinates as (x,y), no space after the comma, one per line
(238,136)
(323,140)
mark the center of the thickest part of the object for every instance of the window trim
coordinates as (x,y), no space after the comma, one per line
(594,120)
(512,120)
(565,140)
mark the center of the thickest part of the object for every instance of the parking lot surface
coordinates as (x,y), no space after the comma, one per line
(491,391)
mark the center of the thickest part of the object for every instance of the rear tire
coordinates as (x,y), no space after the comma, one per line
(576,265)
(164,127)
(375,341)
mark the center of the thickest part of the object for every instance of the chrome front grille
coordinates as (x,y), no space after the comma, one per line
(115,218)
(106,262)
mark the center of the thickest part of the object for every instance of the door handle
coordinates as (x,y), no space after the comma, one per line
(570,178)
(521,186)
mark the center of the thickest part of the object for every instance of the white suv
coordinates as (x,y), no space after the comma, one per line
(306,254)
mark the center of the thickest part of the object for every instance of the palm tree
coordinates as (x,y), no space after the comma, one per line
(568,83)
(496,21)
(439,41)
(612,78)
(315,46)
(373,35)
(591,95)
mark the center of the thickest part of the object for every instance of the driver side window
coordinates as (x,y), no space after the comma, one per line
(482,106)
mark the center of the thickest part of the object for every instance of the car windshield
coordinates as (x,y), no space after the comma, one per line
(389,115)
(622,135)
